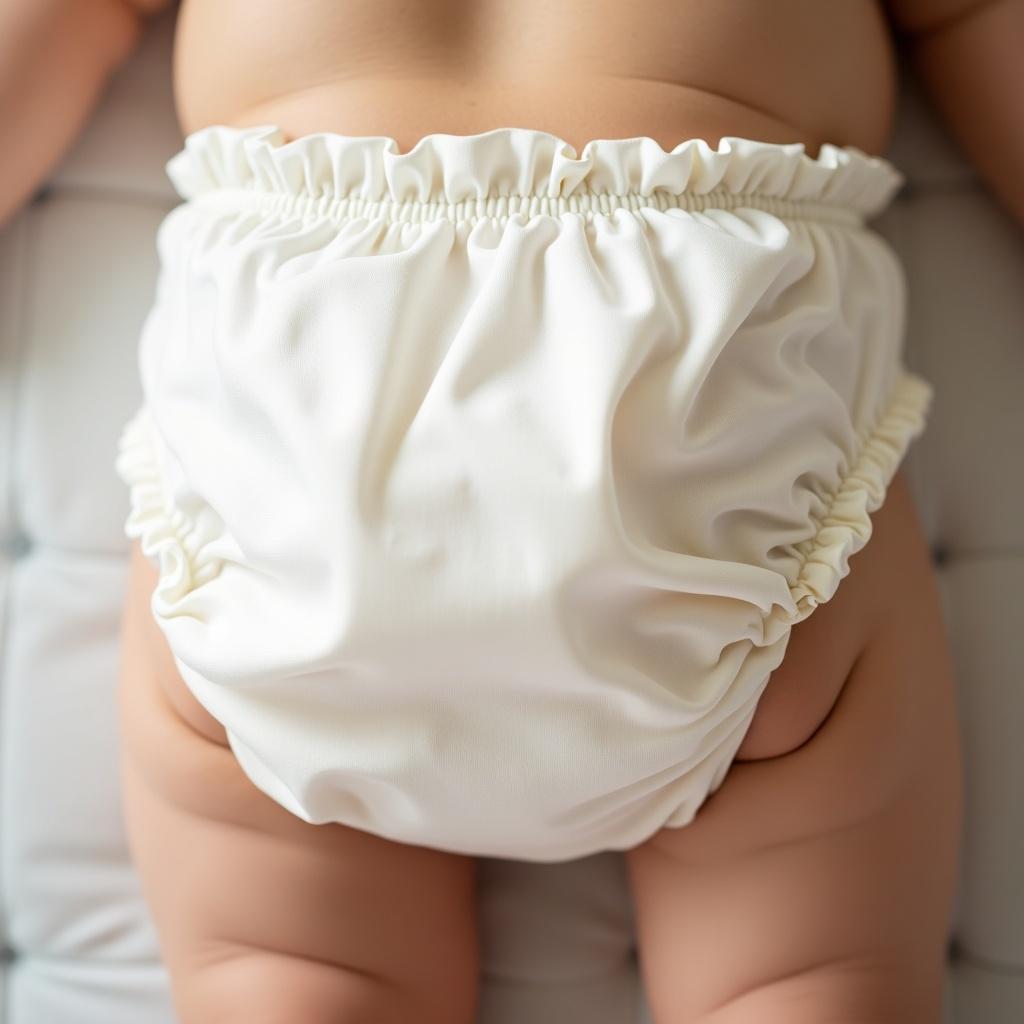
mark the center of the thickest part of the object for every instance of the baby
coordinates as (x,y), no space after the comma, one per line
(521,380)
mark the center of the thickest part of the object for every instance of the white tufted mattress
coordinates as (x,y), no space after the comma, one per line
(558,938)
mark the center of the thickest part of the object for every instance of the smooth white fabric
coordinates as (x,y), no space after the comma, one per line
(486,480)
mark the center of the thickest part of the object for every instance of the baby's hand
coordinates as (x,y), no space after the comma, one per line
(968,55)
(55,59)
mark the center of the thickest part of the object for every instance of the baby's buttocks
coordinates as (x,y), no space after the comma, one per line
(486,480)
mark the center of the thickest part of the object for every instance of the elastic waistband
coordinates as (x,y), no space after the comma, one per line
(508,171)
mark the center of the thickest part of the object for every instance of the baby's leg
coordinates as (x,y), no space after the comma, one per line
(817,883)
(262,917)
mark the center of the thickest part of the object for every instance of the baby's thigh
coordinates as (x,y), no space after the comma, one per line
(818,883)
(261,916)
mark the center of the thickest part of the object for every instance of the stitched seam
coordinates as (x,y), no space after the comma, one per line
(582,202)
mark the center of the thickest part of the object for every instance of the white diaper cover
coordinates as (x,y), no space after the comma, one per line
(486,480)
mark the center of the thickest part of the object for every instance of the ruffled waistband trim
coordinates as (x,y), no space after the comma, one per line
(525,169)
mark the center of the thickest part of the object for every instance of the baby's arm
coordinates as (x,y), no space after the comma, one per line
(968,54)
(55,58)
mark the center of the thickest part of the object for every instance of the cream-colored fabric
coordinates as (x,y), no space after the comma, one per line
(486,480)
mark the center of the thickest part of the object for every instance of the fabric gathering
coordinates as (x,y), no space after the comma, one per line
(487,480)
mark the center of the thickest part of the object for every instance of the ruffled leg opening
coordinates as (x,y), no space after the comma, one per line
(175,542)
(846,525)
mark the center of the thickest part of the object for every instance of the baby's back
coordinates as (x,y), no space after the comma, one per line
(791,70)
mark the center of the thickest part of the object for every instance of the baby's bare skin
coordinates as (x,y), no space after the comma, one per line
(817,882)
(579,68)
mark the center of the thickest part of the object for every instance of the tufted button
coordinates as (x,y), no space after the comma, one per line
(42,194)
(940,554)
(17,544)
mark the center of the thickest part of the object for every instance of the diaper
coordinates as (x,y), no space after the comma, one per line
(487,480)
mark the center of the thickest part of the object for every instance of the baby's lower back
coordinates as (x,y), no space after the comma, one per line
(789,71)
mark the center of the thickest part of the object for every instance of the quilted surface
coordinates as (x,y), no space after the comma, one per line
(79,947)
